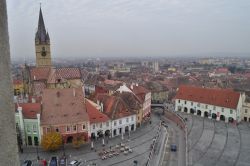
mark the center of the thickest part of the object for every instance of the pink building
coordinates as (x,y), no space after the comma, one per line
(64,111)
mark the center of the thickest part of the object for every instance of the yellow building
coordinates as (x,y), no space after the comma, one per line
(18,87)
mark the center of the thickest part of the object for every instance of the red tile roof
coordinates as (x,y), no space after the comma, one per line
(69,73)
(30,110)
(38,87)
(219,97)
(114,106)
(140,92)
(95,116)
(63,106)
(17,82)
(39,73)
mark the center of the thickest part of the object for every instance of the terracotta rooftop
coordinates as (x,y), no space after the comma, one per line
(62,106)
(17,82)
(39,73)
(114,106)
(130,99)
(38,86)
(43,73)
(219,97)
(30,110)
(95,116)
(69,73)
(139,91)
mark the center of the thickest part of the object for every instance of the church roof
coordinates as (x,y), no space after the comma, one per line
(41,35)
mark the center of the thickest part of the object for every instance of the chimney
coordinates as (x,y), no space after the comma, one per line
(33,100)
(19,109)
(74,92)
(101,107)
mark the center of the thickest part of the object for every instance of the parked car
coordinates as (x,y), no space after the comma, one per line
(173,148)
(53,161)
(74,163)
(63,161)
(27,163)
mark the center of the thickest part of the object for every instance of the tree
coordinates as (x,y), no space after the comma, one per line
(51,141)
(78,141)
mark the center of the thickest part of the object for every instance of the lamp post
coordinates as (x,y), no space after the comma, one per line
(63,149)
(38,158)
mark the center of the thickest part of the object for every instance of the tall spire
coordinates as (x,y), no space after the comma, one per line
(41,31)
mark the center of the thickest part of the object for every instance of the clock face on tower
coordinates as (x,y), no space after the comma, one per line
(43,52)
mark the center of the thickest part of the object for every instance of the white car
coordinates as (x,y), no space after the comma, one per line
(74,163)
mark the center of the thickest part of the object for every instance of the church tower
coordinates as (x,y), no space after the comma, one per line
(42,44)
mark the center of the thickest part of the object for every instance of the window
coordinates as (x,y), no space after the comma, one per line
(126,119)
(192,103)
(179,101)
(57,130)
(214,108)
(48,130)
(231,111)
(246,111)
(222,109)
(100,125)
(132,118)
(206,106)
(28,128)
(93,126)
(114,123)
(34,128)
(198,105)
(74,127)
(185,102)
(107,124)
(120,121)
(83,126)
(67,128)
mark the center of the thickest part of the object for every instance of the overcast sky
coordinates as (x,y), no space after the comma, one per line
(131,27)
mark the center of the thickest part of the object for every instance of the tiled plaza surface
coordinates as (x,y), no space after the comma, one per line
(216,143)
(139,141)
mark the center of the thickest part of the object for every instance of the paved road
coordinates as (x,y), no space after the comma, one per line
(140,142)
(213,142)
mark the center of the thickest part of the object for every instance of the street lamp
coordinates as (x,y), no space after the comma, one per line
(38,158)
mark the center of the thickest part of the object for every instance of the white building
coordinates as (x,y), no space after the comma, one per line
(100,124)
(219,104)
(122,119)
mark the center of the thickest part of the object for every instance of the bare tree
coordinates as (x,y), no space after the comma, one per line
(8,137)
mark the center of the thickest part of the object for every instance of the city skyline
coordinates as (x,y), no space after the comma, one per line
(128,28)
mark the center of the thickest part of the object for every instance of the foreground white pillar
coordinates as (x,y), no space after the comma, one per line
(8,138)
